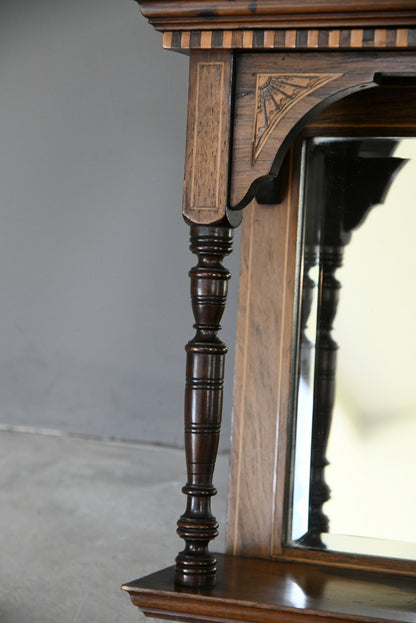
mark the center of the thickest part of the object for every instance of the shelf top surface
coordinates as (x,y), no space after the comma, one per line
(298,591)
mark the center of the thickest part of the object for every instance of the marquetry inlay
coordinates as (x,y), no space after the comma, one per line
(286,39)
(276,94)
(207,137)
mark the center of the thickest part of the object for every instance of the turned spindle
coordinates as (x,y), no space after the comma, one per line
(195,565)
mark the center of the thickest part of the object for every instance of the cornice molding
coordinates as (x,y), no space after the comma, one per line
(171,15)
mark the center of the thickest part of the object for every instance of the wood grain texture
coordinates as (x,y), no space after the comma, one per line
(350,116)
(208,137)
(299,39)
(237,14)
(261,382)
(275,96)
(355,71)
(262,591)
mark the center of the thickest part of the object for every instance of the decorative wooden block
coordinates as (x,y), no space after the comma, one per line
(208,141)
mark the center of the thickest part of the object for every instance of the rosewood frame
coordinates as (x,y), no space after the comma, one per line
(256,523)
(244,113)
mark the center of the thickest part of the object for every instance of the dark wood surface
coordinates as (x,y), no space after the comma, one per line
(207,14)
(262,433)
(195,566)
(262,591)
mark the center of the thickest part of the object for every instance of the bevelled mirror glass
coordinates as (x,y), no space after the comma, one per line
(354,465)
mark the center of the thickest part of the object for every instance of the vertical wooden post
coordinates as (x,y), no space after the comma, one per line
(208,139)
(195,566)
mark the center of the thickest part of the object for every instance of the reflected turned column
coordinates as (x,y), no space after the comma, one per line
(195,566)
(323,393)
(351,176)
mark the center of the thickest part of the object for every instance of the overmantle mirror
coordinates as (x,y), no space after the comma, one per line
(354,469)
(262,77)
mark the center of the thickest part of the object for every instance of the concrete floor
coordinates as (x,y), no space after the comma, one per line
(79,517)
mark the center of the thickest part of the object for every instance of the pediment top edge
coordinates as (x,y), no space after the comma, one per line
(237,14)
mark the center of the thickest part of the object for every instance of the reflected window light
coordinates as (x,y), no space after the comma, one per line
(302,460)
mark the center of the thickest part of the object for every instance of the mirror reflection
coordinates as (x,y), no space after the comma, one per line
(354,479)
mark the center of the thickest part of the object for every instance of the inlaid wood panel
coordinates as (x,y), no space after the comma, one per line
(286,39)
(208,137)
(195,565)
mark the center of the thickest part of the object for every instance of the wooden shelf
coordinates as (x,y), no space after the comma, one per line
(265,591)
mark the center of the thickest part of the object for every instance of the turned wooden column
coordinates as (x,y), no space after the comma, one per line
(195,566)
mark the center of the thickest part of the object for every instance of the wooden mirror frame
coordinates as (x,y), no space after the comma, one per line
(260,479)
(259,73)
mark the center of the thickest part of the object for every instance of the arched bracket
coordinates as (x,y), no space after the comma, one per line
(269,189)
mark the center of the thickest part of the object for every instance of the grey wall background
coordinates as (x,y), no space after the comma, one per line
(93,250)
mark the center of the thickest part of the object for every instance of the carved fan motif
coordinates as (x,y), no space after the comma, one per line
(275,95)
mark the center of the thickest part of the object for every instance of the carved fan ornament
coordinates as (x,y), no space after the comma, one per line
(276,94)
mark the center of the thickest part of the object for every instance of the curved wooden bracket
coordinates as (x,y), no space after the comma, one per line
(278,105)
(208,145)
(267,189)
